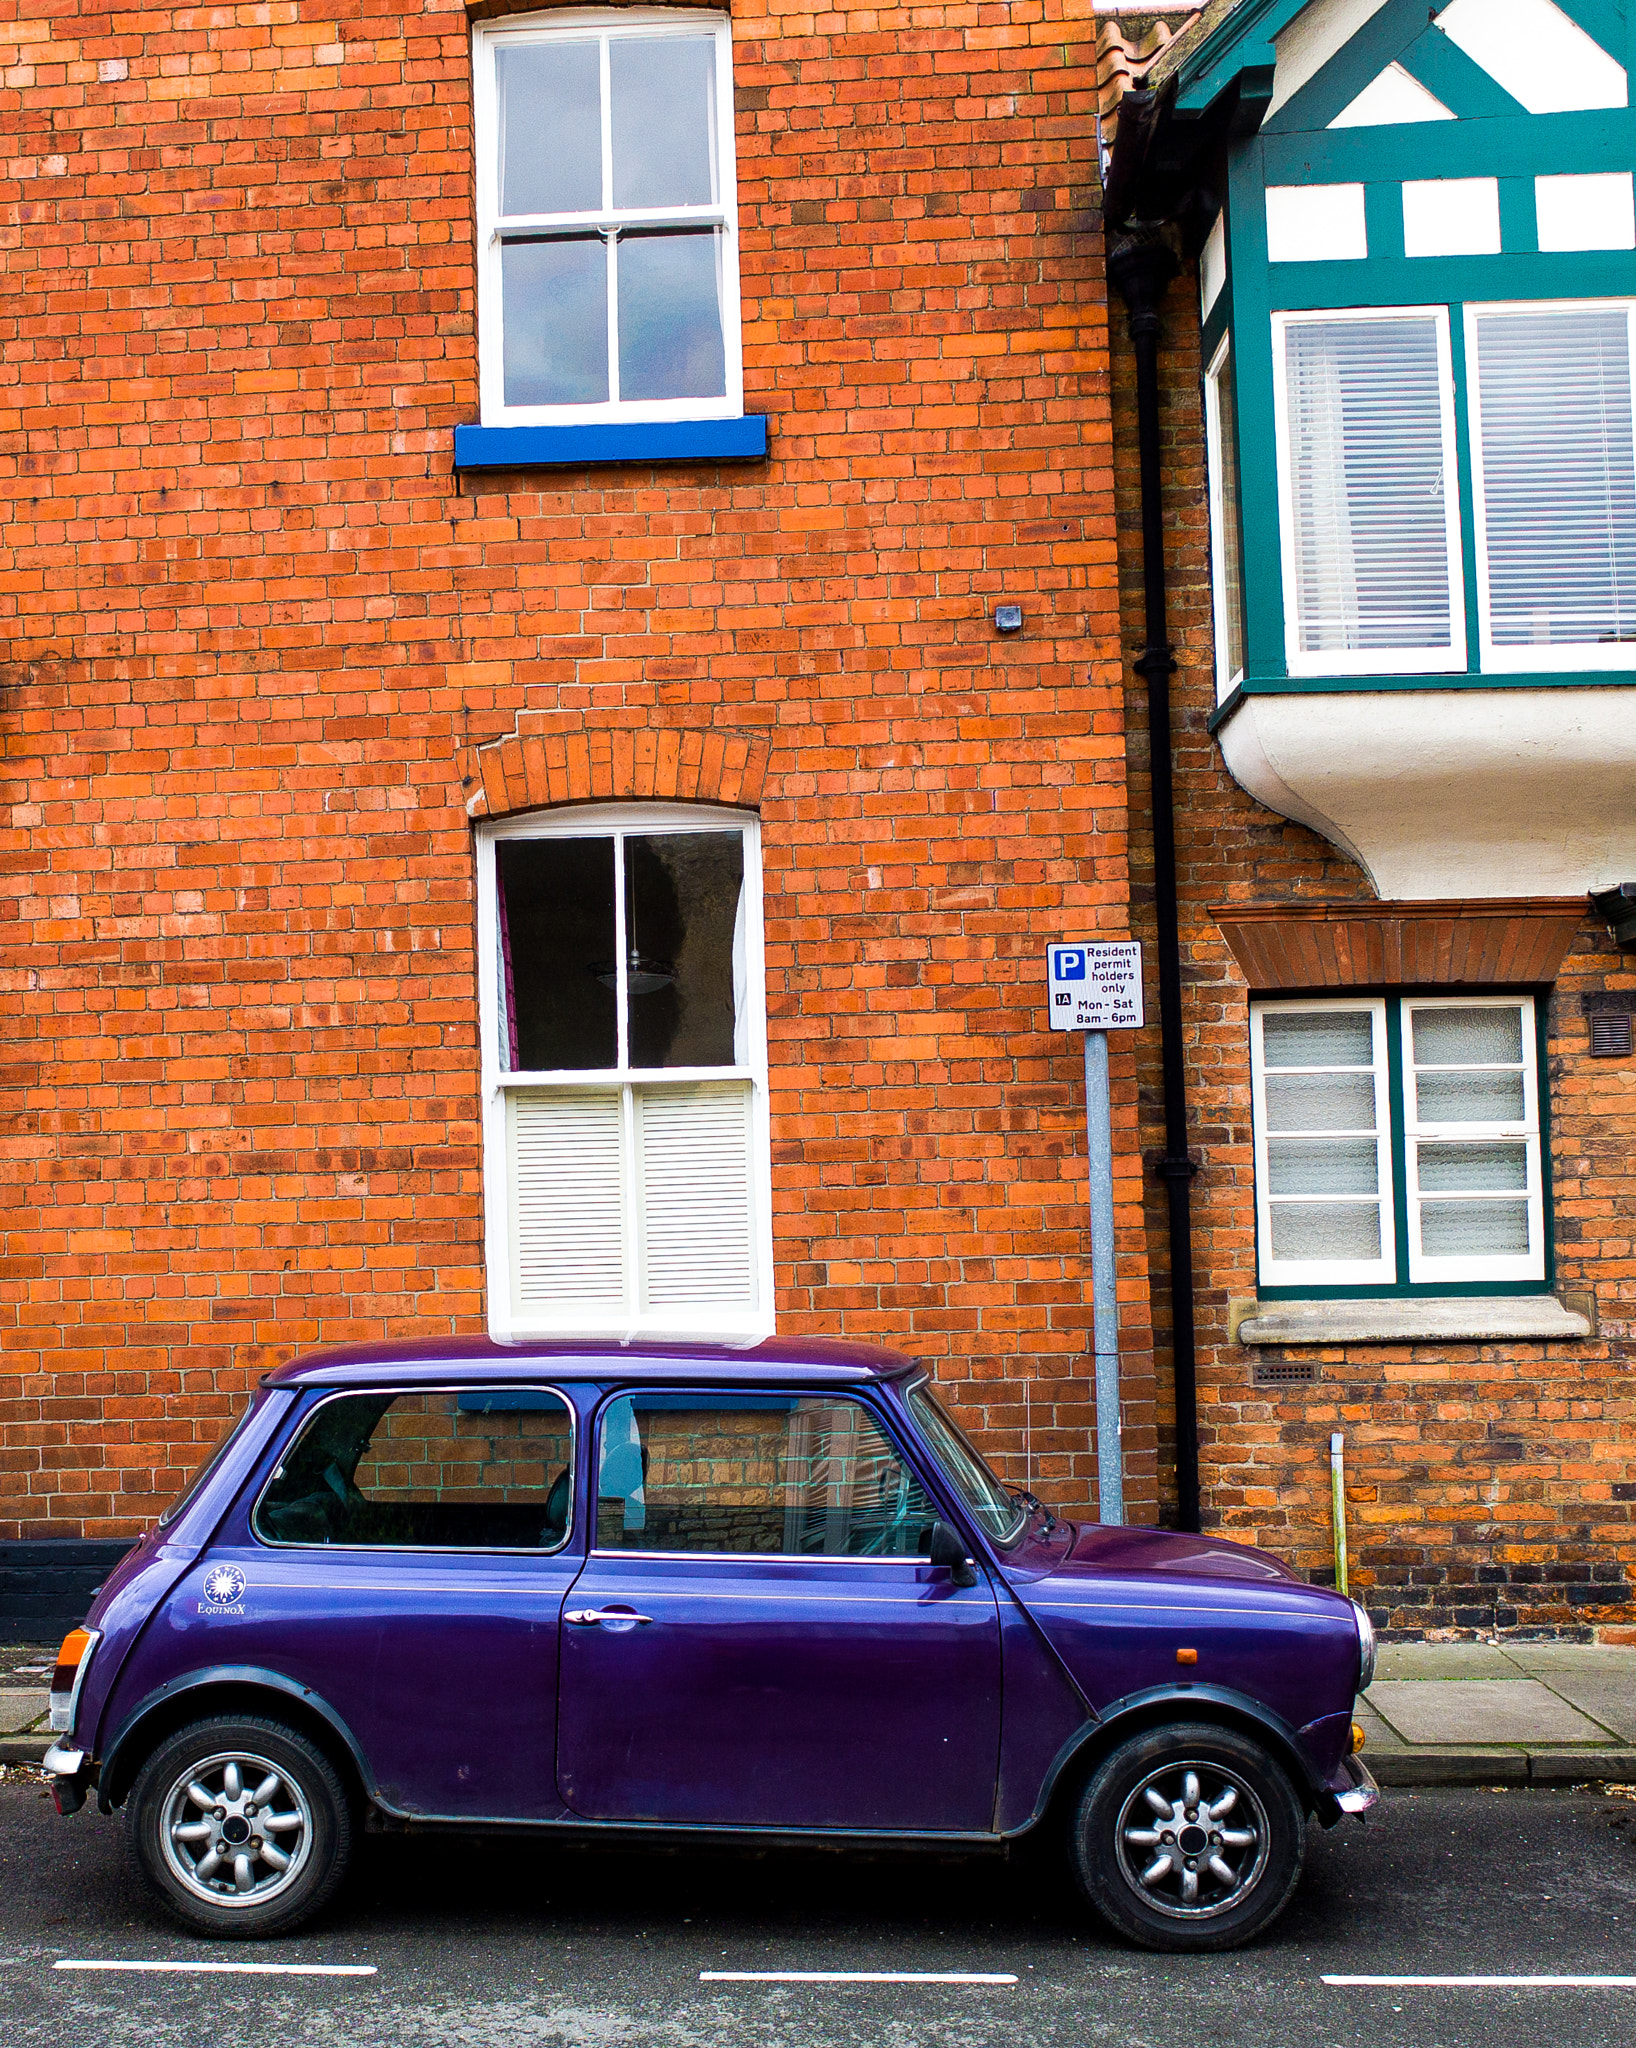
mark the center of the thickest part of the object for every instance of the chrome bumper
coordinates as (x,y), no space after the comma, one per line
(1363,1794)
(59,1762)
(69,1778)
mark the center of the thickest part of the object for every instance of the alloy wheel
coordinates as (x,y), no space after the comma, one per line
(235,1829)
(1193,1839)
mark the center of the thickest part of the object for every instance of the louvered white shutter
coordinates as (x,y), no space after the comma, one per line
(698,1245)
(1367,478)
(1556,481)
(567,1199)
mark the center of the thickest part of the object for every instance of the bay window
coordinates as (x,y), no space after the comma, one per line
(1398,1142)
(1370,508)
(625,1074)
(1554,472)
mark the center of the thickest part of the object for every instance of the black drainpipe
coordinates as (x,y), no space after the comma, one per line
(1141,266)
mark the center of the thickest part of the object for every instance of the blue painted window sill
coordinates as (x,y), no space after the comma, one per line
(740,440)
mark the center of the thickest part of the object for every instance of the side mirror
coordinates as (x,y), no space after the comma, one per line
(948,1549)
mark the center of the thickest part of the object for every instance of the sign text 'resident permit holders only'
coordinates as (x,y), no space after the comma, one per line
(1096,987)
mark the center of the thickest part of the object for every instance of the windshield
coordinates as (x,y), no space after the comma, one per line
(998,1513)
(205,1470)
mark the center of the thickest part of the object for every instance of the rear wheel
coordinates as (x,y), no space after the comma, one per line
(1189,1837)
(241,1826)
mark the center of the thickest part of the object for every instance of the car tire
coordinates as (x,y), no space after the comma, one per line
(219,1860)
(1189,1837)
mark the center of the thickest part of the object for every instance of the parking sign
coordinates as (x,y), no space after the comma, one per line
(1095,986)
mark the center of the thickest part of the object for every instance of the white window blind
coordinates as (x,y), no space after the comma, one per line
(698,1245)
(1369,512)
(1323,1160)
(1556,485)
(1472,1140)
(567,1188)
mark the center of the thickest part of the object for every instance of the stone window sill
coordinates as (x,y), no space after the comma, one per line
(1477,1319)
(733,440)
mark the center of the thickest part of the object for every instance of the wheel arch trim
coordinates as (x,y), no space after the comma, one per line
(219,1678)
(1156,1704)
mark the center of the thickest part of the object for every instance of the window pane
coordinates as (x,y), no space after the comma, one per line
(994,1506)
(1474,1230)
(1448,1169)
(1559,476)
(670,338)
(550,115)
(1231,538)
(1469,1098)
(1323,1166)
(1368,482)
(557,938)
(1318,1038)
(1468,1038)
(683,912)
(755,1475)
(1320,1102)
(664,120)
(1325,1230)
(483,1469)
(555,297)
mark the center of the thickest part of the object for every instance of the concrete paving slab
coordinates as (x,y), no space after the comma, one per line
(1543,1660)
(1608,1698)
(1378,1735)
(18,1708)
(1444,1660)
(1462,1712)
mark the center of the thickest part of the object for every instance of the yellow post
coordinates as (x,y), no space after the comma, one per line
(1337,1504)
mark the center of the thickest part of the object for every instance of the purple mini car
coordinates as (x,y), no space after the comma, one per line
(763,1595)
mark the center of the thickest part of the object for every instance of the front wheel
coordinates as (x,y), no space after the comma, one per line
(241,1826)
(1189,1837)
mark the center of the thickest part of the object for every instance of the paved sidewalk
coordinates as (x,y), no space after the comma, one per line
(1486,1714)
(1437,1713)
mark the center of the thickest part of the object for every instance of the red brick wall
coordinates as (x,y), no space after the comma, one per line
(254,629)
(1490,1486)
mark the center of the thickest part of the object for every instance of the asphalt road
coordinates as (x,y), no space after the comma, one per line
(504,1943)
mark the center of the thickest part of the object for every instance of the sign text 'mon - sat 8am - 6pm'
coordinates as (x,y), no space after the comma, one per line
(1096,986)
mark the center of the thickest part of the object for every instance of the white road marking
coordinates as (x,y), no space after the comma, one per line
(233,1969)
(857,1977)
(1492,1983)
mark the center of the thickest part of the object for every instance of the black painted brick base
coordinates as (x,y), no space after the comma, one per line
(45,1588)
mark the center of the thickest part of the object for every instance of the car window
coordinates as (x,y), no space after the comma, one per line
(763,1475)
(474,1468)
(212,1464)
(996,1510)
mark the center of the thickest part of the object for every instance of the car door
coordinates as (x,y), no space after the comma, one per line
(407,1562)
(756,1639)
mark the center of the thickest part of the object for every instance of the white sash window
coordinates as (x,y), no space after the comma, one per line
(607,218)
(625,1074)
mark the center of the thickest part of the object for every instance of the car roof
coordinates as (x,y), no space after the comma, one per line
(778,1361)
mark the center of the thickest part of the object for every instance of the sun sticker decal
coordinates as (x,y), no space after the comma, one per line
(224,1586)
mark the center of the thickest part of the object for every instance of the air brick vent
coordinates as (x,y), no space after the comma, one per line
(1285,1372)
(1611,1036)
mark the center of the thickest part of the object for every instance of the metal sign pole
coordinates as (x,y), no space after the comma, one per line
(1110,1455)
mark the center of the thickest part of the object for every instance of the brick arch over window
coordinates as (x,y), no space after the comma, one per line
(542,765)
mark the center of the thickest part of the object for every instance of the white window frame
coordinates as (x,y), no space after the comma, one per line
(1387,661)
(507,1317)
(1219,367)
(1600,655)
(608,24)
(1506,1267)
(1274,1272)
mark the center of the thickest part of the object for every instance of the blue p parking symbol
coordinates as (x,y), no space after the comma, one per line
(1070,963)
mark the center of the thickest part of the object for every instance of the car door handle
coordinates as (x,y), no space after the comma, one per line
(585,1617)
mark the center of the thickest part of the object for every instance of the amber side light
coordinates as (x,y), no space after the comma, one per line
(1187,1656)
(75,1645)
(1358,1737)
